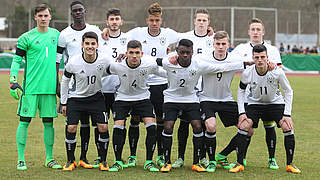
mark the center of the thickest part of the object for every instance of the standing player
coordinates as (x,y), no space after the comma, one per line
(69,45)
(39,47)
(265,101)
(256,32)
(113,47)
(133,95)
(202,44)
(181,99)
(87,70)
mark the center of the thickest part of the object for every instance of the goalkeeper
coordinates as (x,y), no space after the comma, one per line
(39,48)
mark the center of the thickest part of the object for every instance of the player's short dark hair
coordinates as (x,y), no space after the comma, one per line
(113,11)
(185,42)
(259,48)
(220,35)
(201,11)
(255,20)
(41,7)
(90,34)
(155,9)
(134,44)
(76,2)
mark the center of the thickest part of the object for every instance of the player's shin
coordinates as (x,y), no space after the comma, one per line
(48,137)
(271,138)
(21,136)
(197,145)
(85,136)
(103,144)
(167,144)
(210,141)
(70,145)
(150,140)
(183,133)
(289,144)
(133,136)
(117,139)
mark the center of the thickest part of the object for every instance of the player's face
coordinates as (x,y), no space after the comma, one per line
(43,18)
(185,54)
(260,59)
(201,22)
(114,22)
(90,46)
(256,32)
(78,12)
(221,45)
(134,56)
(154,22)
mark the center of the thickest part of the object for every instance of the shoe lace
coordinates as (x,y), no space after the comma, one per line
(272,162)
(116,165)
(21,163)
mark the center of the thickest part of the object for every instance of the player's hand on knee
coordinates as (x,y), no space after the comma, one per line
(173,59)
(271,65)
(64,110)
(105,33)
(15,88)
(286,123)
(242,118)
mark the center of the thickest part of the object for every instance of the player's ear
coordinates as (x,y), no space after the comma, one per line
(107,23)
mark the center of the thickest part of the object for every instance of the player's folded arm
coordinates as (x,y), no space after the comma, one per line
(65,86)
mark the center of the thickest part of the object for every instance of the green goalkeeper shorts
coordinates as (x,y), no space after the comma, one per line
(30,103)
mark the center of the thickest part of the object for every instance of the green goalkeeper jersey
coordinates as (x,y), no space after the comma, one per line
(39,51)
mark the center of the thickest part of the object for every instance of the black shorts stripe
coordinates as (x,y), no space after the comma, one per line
(21,52)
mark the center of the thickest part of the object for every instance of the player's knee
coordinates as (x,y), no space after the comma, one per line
(102,127)
(72,128)
(211,125)
(285,127)
(25,119)
(119,122)
(246,124)
(196,126)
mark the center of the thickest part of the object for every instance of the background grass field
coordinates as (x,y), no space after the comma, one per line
(306,113)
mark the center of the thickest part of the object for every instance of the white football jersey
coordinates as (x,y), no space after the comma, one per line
(155,46)
(201,44)
(87,76)
(216,86)
(112,48)
(70,39)
(245,50)
(183,80)
(264,89)
(133,81)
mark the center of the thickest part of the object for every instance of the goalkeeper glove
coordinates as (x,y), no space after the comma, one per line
(15,88)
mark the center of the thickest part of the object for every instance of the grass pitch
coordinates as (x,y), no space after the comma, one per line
(305,115)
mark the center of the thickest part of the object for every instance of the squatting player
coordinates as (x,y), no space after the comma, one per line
(69,45)
(133,95)
(265,102)
(39,48)
(87,99)
(256,32)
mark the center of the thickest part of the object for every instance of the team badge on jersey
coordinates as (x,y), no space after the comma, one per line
(270,80)
(209,43)
(123,41)
(53,40)
(192,72)
(143,72)
(99,67)
(163,41)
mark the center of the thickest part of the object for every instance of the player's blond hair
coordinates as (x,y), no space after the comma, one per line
(220,35)
(255,20)
(155,9)
(201,11)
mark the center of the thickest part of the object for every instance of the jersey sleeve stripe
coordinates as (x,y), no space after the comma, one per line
(159,61)
(67,74)
(242,85)
(21,52)
(60,49)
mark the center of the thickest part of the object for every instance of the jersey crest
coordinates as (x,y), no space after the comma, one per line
(209,43)
(143,72)
(123,41)
(99,67)
(192,72)
(163,41)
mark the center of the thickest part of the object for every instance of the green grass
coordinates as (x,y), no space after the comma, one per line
(306,122)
